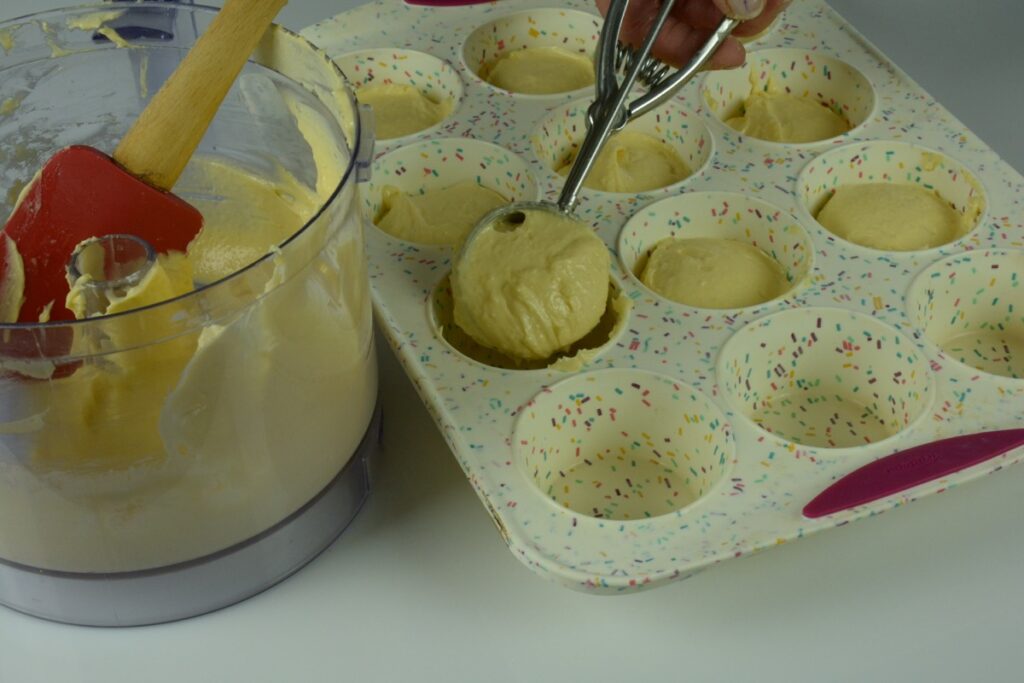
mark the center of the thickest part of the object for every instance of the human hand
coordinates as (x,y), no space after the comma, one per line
(691,23)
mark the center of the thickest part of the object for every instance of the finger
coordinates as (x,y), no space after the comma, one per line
(679,40)
(740,9)
(771,11)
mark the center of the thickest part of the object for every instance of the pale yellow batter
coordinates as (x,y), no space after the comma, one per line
(247,217)
(541,71)
(892,217)
(400,109)
(443,216)
(781,117)
(533,289)
(633,162)
(713,273)
(12,287)
(106,414)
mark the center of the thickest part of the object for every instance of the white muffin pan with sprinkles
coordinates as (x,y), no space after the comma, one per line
(697,435)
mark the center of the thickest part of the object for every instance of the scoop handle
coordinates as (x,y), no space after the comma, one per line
(165,135)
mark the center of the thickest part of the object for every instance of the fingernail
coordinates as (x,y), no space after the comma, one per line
(744,9)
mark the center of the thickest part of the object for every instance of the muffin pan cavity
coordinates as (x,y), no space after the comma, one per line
(811,75)
(566,29)
(433,77)
(891,162)
(825,378)
(431,165)
(971,306)
(583,352)
(623,445)
(559,134)
(720,215)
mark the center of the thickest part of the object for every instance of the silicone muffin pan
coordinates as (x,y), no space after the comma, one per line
(694,435)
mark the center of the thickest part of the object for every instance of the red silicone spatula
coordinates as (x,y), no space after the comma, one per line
(83,193)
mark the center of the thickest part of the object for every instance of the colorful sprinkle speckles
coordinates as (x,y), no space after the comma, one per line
(972,307)
(420,167)
(809,75)
(802,398)
(719,215)
(623,444)
(825,378)
(433,77)
(570,30)
(558,135)
(891,162)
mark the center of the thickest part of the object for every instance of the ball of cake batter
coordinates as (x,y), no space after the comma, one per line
(713,273)
(400,109)
(532,289)
(781,117)
(633,162)
(541,71)
(444,216)
(892,217)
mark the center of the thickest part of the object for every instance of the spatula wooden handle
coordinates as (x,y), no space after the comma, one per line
(168,131)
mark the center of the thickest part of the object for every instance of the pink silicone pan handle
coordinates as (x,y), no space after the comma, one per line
(906,469)
(446,3)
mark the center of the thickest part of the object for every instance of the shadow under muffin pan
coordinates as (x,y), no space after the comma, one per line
(433,77)
(698,435)
(567,29)
(806,74)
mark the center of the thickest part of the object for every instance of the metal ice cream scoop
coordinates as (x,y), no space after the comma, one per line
(612,108)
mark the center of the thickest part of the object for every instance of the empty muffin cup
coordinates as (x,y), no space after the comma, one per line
(456,167)
(747,252)
(586,350)
(970,306)
(825,378)
(675,147)
(946,205)
(623,444)
(544,52)
(790,96)
(410,92)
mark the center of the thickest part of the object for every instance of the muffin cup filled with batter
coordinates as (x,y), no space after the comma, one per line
(434,192)
(825,378)
(658,151)
(969,306)
(584,352)
(717,250)
(540,52)
(789,96)
(623,445)
(891,197)
(410,92)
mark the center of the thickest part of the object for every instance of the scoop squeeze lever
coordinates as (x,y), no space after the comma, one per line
(82,193)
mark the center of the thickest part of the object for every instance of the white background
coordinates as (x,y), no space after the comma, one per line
(421,587)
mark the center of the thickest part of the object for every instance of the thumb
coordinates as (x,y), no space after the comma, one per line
(740,9)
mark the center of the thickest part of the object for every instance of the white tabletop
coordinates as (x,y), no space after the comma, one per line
(421,587)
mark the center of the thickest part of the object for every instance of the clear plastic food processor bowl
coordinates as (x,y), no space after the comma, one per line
(177,458)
